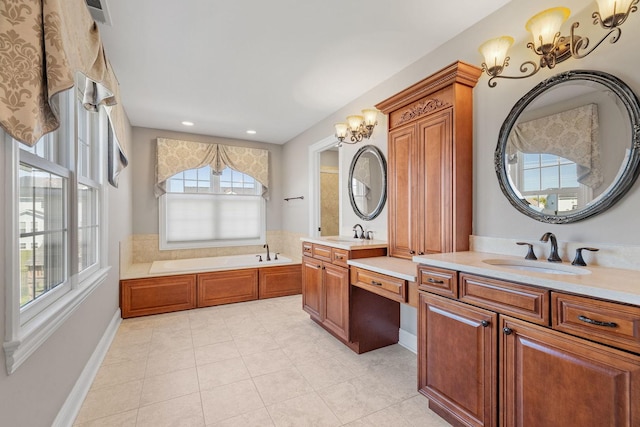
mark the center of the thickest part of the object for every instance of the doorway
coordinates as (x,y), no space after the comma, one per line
(325,188)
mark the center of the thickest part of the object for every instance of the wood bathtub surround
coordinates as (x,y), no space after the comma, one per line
(155,295)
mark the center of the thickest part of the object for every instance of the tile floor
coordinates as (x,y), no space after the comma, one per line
(260,363)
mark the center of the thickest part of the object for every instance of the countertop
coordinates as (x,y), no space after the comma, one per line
(600,282)
(395,267)
(345,242)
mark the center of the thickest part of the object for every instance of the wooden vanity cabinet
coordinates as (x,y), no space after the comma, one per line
(325,286)
(514,339)
(457,353)
(549,378)
(430,156)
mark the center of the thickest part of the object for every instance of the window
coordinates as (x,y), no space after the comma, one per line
(204,209)
(548,182)
(56,223)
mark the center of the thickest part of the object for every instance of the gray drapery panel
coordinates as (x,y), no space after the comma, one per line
(174,156)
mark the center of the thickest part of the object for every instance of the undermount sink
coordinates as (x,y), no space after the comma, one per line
(537,266)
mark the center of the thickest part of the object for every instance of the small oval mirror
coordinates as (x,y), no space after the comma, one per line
(569,148)
(368,182)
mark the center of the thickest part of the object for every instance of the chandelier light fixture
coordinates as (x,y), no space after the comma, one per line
(357,127)
(548,43)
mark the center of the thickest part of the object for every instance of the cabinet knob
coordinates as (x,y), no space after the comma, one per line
(507,331)
(412,252)
(485,323)
(420,253)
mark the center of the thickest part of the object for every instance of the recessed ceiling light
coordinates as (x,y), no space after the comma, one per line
(251,132)
(187,123)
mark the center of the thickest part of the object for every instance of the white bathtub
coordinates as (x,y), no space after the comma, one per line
(215,263)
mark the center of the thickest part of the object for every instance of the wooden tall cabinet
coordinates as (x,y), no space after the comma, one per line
(430,158)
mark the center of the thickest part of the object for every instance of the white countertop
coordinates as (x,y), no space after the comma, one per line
(395,267)
(601,282)
(346,242)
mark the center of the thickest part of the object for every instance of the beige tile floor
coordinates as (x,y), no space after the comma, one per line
(260,363)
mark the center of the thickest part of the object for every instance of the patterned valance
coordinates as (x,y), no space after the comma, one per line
(571,134)
(43,44)
(176,156)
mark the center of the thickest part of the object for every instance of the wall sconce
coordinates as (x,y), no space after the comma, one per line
(358,127)
(548,43)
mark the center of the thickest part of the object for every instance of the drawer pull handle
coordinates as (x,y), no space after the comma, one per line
(338,256)
(597,322)
(507,331)
(412,252)
(373,282)
(485,323)
(431,280)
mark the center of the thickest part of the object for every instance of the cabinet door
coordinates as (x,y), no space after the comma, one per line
(225,287)
(434,184)
(548,378)
(401,192)
(279,281)
(457,360)
(140,297)
(312,287)
(336,300)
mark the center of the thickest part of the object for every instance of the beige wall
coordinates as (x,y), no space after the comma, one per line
(35,392)
(145,204)
(493,215)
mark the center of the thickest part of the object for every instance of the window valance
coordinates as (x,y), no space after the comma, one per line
(43,44)
(572,134)
(176,156)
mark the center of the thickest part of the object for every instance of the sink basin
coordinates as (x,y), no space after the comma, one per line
(537,266)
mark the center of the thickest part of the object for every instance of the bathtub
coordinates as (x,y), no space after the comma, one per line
(215,263)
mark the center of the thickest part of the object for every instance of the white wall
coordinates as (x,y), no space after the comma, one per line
(493,215)
(145,204)
(35,392)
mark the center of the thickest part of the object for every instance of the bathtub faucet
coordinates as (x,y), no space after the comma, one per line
(268,257)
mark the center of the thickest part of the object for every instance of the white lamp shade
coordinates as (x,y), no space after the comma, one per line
(341,130)
(495,50)
(354,122)
(370,116)
(609,8)
(546,24)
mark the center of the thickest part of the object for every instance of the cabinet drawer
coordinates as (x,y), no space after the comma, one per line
(339,257)
(322,252)
(381,284)
(606,322)
(514,299)
(438,281)
(307,249)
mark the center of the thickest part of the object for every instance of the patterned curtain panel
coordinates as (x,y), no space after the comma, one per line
(43,44)
(572,134)
(175,156)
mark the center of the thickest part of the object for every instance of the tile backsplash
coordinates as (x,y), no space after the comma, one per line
(144,248)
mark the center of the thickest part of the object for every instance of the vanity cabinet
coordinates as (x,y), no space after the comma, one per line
(511,354)
(326,293)
(430,155)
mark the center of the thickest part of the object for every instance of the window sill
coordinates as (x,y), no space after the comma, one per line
(35,332)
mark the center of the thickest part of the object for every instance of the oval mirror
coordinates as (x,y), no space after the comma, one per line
(569,148)
(368,182)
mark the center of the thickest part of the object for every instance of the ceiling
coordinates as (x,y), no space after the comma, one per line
(277,67)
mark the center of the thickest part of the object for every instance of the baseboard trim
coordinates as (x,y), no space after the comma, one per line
(69,411)
(408,340)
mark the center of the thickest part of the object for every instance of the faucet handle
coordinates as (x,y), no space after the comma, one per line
(578,260)
(276,256)
(355,233)
(259,258)
(530,253)
(369,235)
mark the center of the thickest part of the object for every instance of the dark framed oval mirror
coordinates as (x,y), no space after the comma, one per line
(569,148)
(368,182)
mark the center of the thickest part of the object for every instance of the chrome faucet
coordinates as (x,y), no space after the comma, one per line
(355,229)
(553,257)
(268,257)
